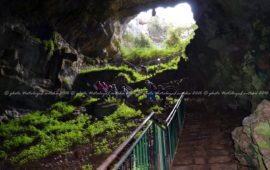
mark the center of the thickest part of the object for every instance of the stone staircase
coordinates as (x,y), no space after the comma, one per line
(205,143)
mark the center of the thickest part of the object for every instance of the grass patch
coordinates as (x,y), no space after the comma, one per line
(39,134)
(171,65)
(133,76)
(113,126)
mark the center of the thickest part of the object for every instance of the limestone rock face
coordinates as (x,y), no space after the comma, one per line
(31,66)
(252,140)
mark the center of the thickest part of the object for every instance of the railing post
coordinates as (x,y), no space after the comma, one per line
(155,148)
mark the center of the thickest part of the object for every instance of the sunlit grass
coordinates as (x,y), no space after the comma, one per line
(131,74)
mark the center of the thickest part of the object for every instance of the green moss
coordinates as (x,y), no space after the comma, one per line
(171,65)
(61,109)
(37,134)
(263,129)
(111,100)
(49,47)
(156,108)
(112,126)
(133,75)
(3,155)
(102,147)
(91,100)
(17,141)
(33,153)
(40,134)
(87,167)
(113,121)
(79,96)
(67,82)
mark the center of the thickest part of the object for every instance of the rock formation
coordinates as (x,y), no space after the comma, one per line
(229,52)
(252,140)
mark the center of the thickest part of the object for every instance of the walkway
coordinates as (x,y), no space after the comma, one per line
(205,143)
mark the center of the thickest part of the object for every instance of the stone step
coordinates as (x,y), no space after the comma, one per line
(205,144)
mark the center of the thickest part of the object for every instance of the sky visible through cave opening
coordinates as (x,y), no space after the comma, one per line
(164,20)
(179,15)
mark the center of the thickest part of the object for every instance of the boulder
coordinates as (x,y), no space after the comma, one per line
(252,140)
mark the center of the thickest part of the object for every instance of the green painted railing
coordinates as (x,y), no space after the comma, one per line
(152,145)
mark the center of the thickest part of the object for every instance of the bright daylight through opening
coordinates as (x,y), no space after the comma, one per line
(158,37)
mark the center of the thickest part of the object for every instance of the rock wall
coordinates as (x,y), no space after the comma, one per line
(252,140)
(230,50)
(30,64)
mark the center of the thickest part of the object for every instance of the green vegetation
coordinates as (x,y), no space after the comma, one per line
(38,134)
(156,108)
(112,126)
(171,65)
(173,45)
(140,41)
(141,49)
(91,100)
(79,96)
(172,100)
(111,100)
(133,75)
(87,167)
(61,110)
(144,54)
(102,147)
(49,47)
(139,95)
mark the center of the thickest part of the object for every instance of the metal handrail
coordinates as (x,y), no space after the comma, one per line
(124,157)
(167,123)
(171,116)
(115,154)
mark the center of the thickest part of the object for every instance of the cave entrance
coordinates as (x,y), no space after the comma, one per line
(157,38)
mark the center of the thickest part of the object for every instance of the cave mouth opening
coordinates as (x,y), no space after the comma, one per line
(158,36)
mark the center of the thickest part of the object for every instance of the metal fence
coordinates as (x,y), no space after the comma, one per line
(152,146)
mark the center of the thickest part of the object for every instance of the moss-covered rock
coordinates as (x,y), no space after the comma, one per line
(252,141)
